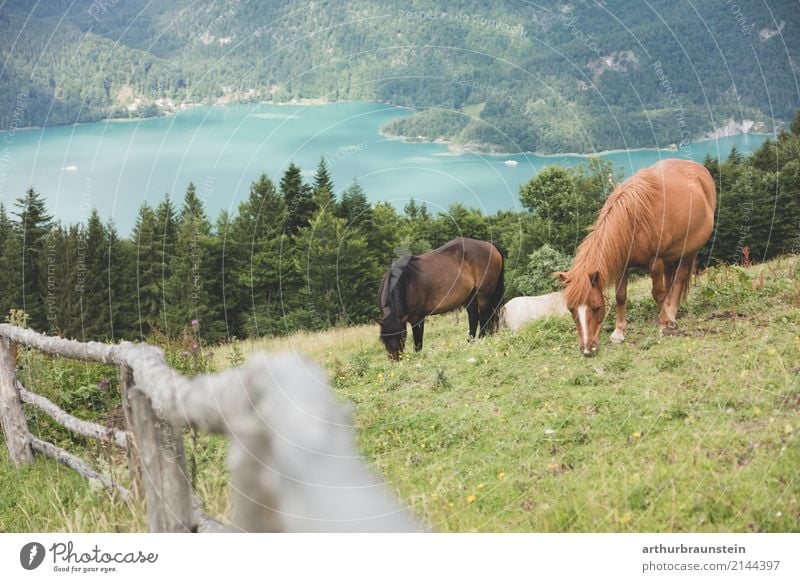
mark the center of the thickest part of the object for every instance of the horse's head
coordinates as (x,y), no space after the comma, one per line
(587,304)
(393,334)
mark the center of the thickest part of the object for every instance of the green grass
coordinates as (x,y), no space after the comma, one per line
(47,496)
(518,432)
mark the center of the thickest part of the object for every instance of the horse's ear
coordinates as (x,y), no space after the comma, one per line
(594,278)
(561,276)
(379,321)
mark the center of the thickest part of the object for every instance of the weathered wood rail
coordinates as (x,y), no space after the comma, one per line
(292,457)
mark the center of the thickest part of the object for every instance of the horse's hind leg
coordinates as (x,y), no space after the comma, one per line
(418,329)
(472,313)
(682,271)
(622,297)
(659,289)
(669,270)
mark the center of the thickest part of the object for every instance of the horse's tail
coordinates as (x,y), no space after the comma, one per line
(497,296)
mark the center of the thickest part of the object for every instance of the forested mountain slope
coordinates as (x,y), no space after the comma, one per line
(509,75)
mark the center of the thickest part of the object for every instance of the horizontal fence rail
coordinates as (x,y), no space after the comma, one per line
(292,456)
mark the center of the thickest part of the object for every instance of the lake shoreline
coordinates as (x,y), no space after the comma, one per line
(454,150)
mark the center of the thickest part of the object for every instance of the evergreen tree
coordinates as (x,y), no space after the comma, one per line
(253,260)
(324,195)
(299,199)
(191,270)
(147,270)
(420,229)
(354,207)
(10,264)
(384,236)
(340,275)
(34,225)
(93,275)
(735,158)
(121,257)
(164,239)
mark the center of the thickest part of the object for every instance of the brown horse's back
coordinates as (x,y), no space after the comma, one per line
(457,277)
(682,212)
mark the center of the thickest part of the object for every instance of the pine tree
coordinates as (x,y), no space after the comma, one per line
(299,199)
(354,207)
(121,256)
(164,239)
(10,251)
(92,285)
(34,225)
(420,229)
(339,274)
(146,271)
(735,158)
(253,258)
(324,195)
(191,268)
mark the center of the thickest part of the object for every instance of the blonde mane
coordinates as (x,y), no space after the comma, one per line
(627,212)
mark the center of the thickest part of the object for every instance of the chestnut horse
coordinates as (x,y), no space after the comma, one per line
(658,219)
(464,272)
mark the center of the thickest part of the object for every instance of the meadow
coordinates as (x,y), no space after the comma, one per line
(519,432)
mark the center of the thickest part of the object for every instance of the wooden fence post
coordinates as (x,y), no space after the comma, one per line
(134,459)
(160,445)
(12,417)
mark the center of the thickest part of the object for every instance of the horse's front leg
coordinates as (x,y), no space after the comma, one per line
(618,336)
(418,329)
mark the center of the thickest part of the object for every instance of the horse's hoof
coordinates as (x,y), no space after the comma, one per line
(617,337)
(671,330)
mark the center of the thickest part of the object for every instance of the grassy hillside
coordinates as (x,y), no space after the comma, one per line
(518,432)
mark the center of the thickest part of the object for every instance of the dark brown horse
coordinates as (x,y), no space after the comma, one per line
(464,272)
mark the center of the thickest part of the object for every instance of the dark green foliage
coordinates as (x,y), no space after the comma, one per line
(299,199)
(758,207)
(537,278)
(354,207)
(564,202)
(324,195)
(33,226)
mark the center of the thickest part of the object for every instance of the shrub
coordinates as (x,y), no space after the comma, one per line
(537,278)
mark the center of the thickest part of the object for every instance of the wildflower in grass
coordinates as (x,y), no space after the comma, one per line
(103,383)
(481,485)
(501,475)
(195,323)
(471,498)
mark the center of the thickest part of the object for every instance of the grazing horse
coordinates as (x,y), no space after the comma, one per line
(522,310)
(464,272)
(658,219)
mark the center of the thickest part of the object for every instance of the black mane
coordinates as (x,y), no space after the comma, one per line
(401,275)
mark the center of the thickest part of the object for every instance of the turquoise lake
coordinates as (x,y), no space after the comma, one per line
(115,166)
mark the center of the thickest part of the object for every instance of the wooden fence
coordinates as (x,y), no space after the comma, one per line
(292,457)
